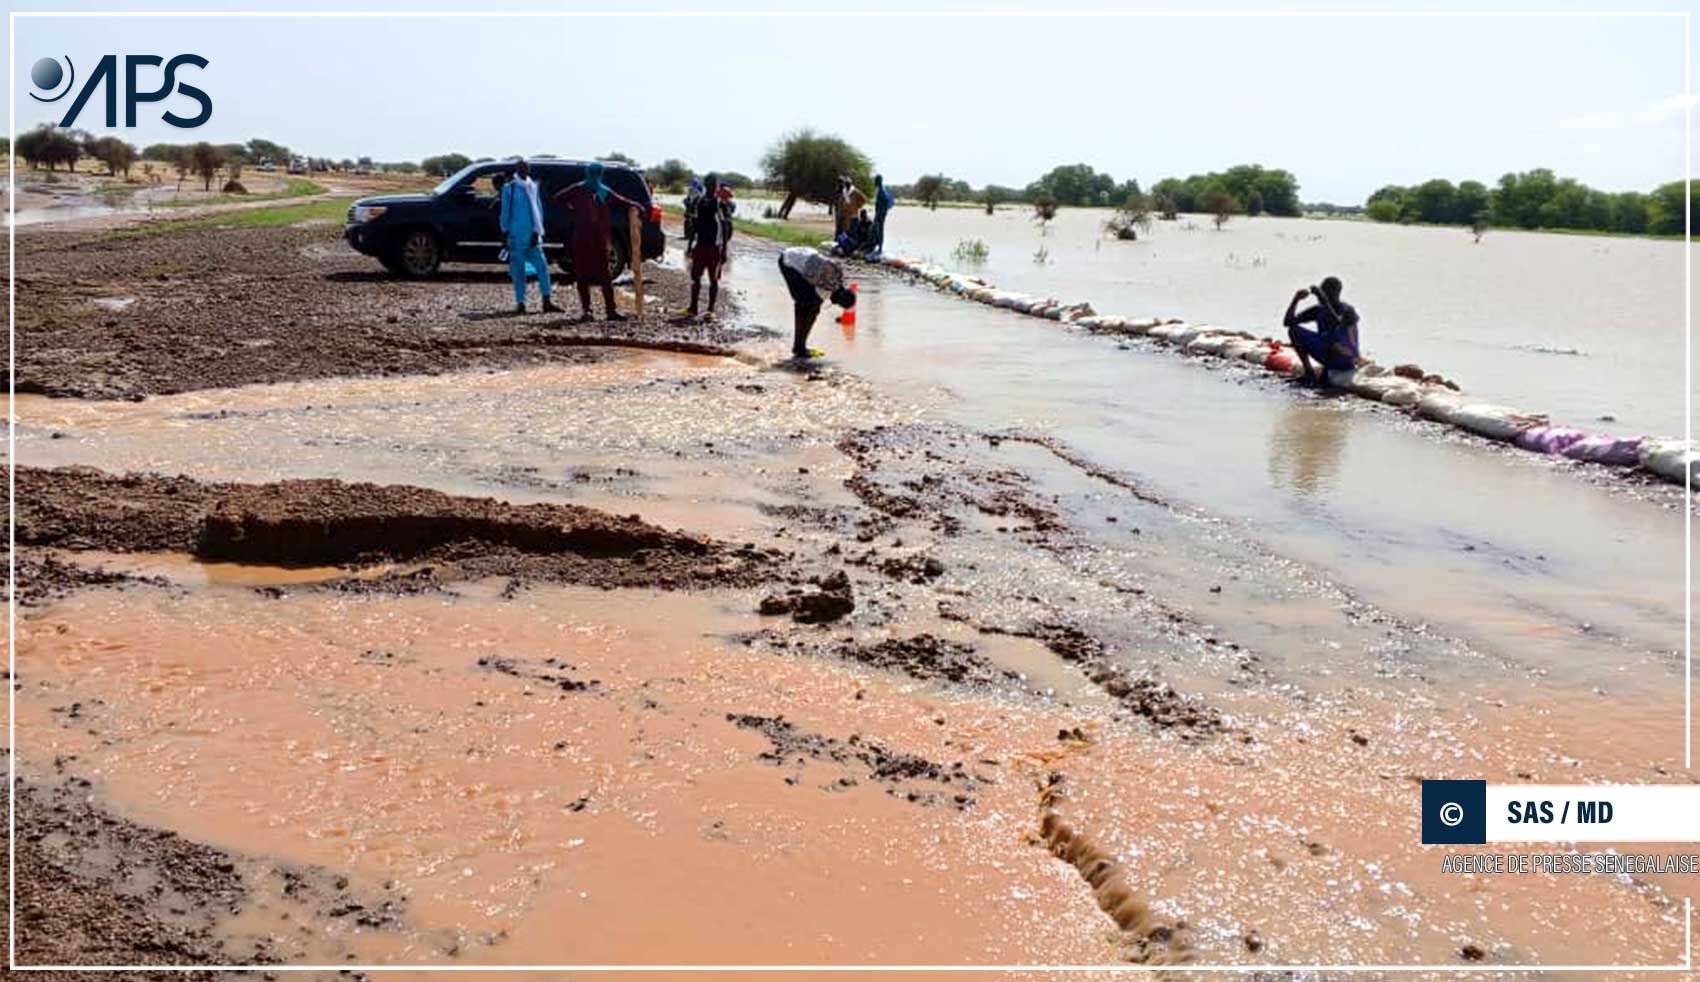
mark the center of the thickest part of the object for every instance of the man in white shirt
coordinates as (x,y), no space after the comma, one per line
(806,273)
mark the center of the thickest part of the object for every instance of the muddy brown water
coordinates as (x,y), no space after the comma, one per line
(585,790)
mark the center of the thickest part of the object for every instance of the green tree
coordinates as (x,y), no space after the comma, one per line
(204,161)
(931,189)
(48,146)
(1434,200)
(1665,209)
(616,157)
(117,155)
(1470,203)
(1075,184)
(439,166)
(991,196)
(260,151)
(670,175)
(807,165)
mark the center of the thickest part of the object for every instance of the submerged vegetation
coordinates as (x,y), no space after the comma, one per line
(971,251)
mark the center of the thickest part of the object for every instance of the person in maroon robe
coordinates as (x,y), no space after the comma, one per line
(589,200)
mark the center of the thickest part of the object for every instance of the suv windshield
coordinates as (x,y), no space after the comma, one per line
(456,178)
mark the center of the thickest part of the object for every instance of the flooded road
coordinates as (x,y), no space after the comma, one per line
(1597,332)
(1505,548)
(1220,627)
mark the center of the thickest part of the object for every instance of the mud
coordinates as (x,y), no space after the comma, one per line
(906,776)
(328,522)
(220,307)
(1148,938)
(42,579)
(924,657)
(97,889)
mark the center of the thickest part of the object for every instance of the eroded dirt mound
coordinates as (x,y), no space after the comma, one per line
(328,522)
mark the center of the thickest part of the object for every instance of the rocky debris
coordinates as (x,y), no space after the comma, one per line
(1155,701)
(95,889)
(793,746)
(329,522)
(551,672)
(45,578)
(829,601)
(927,657)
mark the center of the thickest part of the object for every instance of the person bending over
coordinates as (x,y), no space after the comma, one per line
(1334,342)
(806,273)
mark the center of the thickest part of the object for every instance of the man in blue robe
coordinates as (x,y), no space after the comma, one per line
(522,228)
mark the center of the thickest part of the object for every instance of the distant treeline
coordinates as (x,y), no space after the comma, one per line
(1249,189)
(1532,199)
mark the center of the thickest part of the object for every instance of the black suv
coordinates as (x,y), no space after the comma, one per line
(460,219)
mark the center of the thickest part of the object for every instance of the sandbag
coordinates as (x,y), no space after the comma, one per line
(1208,343)
(1597,448)
(1439,404)
(1340,378)
(1258,355)
(1404,392)
(1166,332)
(1548,439)
(1238,348)
(1282,361)
(1673,460)
(1494,422)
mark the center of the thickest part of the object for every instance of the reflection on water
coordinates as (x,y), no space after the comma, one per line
(1306,445)
(1488,315)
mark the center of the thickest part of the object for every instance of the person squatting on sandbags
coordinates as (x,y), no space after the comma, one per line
(709,223)
(858,238)
(806,273)
(1334,342)
(522,232)
(588,201)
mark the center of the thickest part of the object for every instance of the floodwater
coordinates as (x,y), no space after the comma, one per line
(1541,613)
(1509,550)
(1578,327)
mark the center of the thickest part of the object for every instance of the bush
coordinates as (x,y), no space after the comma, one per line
(971,251)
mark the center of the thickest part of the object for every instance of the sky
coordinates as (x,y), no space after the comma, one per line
(984,93)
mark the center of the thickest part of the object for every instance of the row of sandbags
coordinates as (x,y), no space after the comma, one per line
(1429,397)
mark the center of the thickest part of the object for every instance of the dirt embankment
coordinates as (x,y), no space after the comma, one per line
(97,889)
(328,522)
(113,314)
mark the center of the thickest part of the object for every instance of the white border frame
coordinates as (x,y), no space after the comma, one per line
(1688,507)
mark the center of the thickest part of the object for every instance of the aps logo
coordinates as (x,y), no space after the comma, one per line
(57,81)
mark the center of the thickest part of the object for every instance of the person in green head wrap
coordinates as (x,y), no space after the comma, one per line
(588,201)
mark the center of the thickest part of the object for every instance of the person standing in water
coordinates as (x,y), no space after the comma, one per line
(522,230)
(806,273)
(883,201)
(588,201)
(1334,342)
(708,217)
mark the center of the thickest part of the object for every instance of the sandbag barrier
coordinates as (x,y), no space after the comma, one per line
(1427,396)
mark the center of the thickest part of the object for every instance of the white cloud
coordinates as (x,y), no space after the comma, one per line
(1659,113)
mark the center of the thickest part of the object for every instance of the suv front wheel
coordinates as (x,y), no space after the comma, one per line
(416,253)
